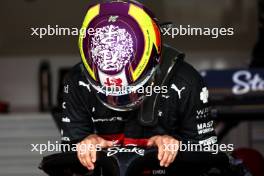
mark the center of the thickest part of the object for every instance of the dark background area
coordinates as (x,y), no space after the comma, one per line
(17,19)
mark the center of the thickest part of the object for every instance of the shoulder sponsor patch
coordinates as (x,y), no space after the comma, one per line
(204,95)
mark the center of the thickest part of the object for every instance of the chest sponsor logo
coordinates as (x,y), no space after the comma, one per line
(179,91)
(81,83)
(113,119)
(202,113)
(203,128)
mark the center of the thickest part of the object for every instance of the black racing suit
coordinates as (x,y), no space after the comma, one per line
(183,113)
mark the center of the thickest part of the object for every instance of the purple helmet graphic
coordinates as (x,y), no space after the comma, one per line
(120,50)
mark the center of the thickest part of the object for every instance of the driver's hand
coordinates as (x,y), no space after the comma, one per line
(167,148)
(86,149)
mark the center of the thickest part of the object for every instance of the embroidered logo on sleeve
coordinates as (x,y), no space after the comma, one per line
(204,95)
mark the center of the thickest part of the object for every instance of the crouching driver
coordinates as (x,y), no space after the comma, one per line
(105,99)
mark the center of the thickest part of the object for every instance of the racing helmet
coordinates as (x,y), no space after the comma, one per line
(121,51)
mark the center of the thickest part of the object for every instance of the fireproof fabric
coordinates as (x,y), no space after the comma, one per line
(183,112)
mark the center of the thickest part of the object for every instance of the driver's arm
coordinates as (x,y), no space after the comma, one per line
(76,117)
(188,115)
(77,125)
(196,124)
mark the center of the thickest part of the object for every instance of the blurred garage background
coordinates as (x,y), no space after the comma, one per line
(24,59)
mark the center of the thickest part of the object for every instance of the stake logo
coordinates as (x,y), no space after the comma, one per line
(114,150)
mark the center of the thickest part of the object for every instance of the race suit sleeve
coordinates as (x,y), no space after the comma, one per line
(76,116)
(196,124)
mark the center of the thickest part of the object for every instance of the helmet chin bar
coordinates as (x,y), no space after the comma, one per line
(125,108)
(133,104)
(129,106)
(134,87)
